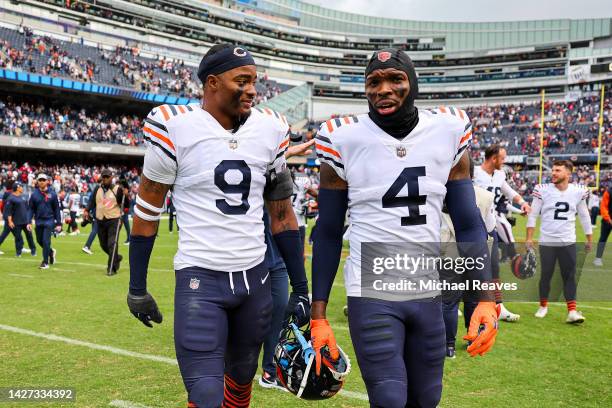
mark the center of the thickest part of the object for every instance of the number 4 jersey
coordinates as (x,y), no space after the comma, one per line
(396,188)
(558,212)
(218,178)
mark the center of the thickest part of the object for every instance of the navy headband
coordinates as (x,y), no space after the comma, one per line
(228,57)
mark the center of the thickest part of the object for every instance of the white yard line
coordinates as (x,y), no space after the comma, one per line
(126,404)
(100,265)
(87,344)
(128,353)
(20,276)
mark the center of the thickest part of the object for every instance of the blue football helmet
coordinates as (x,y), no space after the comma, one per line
(295,365)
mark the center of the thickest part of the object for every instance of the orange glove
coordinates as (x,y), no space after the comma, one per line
(322,335)
(483,328)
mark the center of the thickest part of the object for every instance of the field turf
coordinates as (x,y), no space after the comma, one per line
(69,326)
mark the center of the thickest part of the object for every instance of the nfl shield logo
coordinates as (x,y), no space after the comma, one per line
(194,283)
(400,151)
(383,56)
(233,144)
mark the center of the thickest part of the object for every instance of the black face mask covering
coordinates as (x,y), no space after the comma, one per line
(401,122)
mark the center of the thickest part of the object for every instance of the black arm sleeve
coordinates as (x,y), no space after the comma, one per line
(327,246)
(470,231)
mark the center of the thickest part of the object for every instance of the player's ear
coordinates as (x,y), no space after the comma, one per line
(212,82)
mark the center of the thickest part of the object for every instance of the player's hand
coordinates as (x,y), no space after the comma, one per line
(322,336)
(11,224)
(29,227)
(529,244)
(483,328)
(144,309)
(525,208)
(58,228)
(299,308)
(588,246)
(302,149)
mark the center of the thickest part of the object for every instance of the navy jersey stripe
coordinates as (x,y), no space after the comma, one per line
(163,149)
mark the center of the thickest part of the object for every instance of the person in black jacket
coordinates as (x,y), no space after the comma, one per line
(44,207)
(5,229)
(18,219)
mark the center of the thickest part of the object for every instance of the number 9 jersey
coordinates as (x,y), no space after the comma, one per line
(396,188)
(218,180)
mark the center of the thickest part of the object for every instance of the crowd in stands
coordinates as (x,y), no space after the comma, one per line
(570,127)
(524,181)
(27,118)
(44,55)
(76,177)
(122,66)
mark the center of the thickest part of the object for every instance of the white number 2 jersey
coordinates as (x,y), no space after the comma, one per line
(218,179)
(395,188)
(558,212)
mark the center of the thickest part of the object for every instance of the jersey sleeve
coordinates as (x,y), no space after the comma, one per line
(279,162)
(583,211)
(465,134)
(536,206)
(327,152)
(508,191)
(160,163)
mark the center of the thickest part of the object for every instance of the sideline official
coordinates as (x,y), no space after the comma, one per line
(107,200)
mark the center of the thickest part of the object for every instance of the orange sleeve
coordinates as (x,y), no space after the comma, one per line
(605,204)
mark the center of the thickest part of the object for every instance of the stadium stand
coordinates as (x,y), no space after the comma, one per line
(121,66)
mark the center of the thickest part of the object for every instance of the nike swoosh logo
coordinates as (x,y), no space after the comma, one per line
(265,279)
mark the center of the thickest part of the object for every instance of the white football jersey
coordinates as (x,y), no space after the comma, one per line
(218,178)
(301,184)
(396,187)
(495,183)
(558,210)
(75,202)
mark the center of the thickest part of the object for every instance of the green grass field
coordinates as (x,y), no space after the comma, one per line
(69,326)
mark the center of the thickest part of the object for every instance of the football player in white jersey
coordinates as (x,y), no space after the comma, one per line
(452,298)
(557,204)
(222,159)
(392,168)
(490,176)
(301,187)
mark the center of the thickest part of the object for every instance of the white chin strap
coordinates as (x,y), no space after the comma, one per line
(147,217)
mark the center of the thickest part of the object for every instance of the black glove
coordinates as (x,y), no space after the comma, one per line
(144,309)
(298,308)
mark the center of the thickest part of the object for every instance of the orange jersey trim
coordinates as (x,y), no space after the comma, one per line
(160,137)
